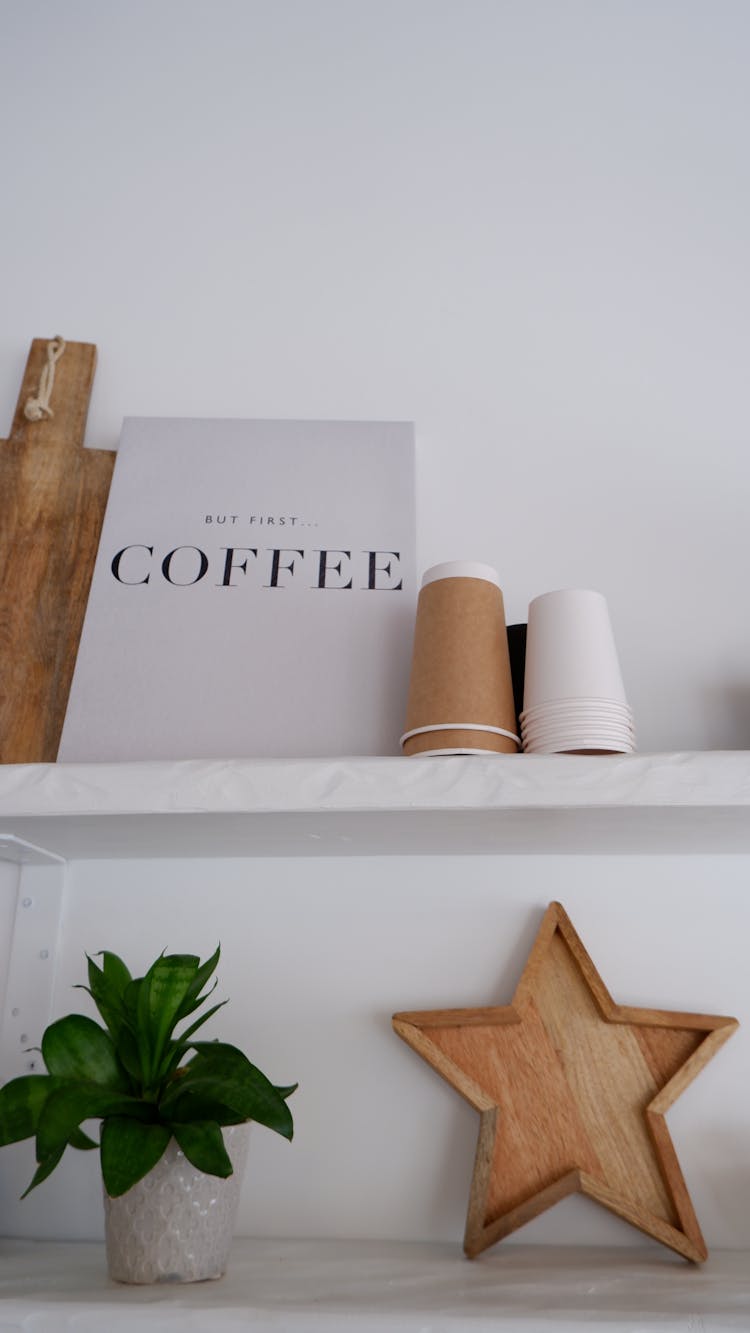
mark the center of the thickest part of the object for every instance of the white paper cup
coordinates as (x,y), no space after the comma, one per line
(580,722)
(579,741)
(553,716)
(578,737)
(575,708)
(582,748)
(590,718)
(582,745)
(570,649)
(577,723)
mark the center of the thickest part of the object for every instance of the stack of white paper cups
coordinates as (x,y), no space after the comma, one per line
(574,698)
(461,692)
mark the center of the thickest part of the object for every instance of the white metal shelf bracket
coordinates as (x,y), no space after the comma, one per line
(33,954)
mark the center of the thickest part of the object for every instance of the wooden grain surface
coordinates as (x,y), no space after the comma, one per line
(572,1091)
(54,493)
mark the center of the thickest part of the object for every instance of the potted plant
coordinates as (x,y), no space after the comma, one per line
(173,1112)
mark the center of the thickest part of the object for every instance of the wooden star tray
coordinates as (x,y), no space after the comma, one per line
(572,1090)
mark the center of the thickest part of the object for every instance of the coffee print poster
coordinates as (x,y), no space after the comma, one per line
(253,595)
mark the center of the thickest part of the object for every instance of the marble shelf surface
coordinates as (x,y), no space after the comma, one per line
(370,1286)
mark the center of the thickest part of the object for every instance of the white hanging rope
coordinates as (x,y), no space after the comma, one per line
(37,408)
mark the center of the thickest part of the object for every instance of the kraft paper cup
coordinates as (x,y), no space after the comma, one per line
(460,692)
(570,649)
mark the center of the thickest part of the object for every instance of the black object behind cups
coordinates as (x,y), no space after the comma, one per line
(517,650)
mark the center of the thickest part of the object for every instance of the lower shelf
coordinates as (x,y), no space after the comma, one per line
(368,1286)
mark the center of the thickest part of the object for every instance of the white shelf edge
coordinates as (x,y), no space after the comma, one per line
(526,804)
(263,786)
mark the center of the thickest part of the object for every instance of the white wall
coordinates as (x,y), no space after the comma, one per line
(525,226)
(318,954)
(521,223)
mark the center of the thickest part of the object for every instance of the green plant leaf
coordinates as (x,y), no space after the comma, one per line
(165,987)
(142,1029)
(106,987)
(193,997)
(189,1108)
(67,1107)
(223,1073)
(129,1150)
(21,1104)
(200,1021)
(128,1055)
(44,1169)
(130,1001)
(134,1004)
(180,1048)
(115,971)
(189,1007)
(82,1141)
(77,1048)
(287,1092)
(203,1144)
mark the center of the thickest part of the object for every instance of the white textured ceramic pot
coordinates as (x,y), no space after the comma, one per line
(177,1224)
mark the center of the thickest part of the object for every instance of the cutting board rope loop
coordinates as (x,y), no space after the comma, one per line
(38,407)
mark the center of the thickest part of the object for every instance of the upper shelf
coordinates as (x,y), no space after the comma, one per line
(690,802)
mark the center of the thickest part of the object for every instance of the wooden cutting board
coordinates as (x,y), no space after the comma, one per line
(53,493)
